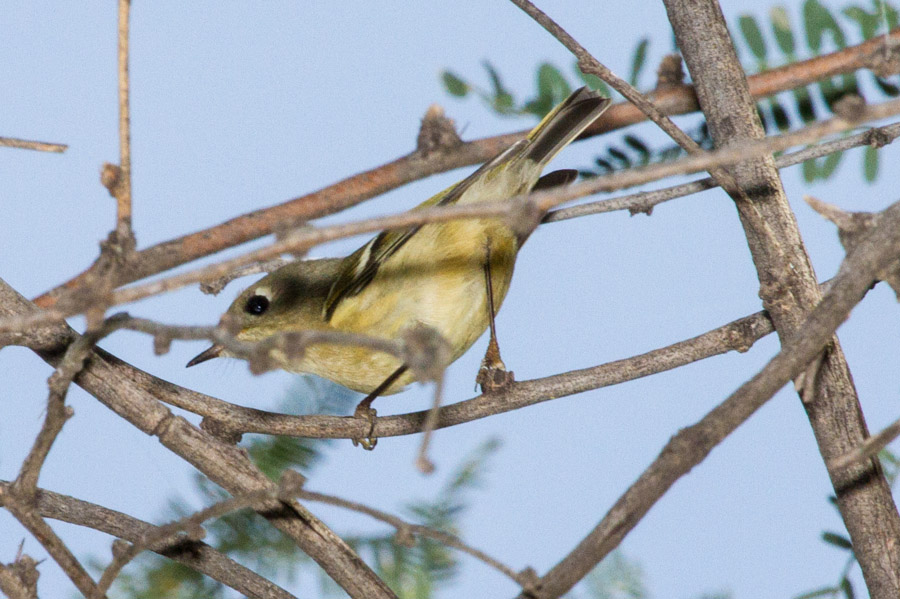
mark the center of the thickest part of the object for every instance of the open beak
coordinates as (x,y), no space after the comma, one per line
(213,352)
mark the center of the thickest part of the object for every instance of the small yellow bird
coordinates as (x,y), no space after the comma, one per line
(438,274)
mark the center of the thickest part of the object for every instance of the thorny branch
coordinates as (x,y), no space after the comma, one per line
(523,213)
(194,554)
(645,201)
(739,336)
(19,497)
(119,387)
(122,188)
(18,580)
(369,184)
(190,528)
(691,445)
(524,579)
(788,288)
(40,146)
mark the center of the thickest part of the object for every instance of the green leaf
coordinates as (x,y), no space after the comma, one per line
(868,22)
(552,83)
(552,89)
(784,36)
(780,115)
(805,105)
(753,36)
(837,539)
(592,81)
(809,170)
(604,165)
(638,146)
(502,100)
(638,61)
(847,587)
(832,92)
(619,156)
(886,87)
(454,85)
(819,21)
(870,164)
(890,13)
(831,591)
(763,118)
(830,164)
(616,577)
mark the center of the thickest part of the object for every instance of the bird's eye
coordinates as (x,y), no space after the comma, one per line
(256,305)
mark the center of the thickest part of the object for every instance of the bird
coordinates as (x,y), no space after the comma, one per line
(451,276)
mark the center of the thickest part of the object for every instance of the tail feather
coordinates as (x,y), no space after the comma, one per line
(564,123)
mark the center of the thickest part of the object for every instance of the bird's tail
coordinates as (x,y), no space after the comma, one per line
(564,123)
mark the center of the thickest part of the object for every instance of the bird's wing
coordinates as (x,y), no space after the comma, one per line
(360,267)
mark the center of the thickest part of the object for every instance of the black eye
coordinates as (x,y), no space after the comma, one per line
(257,304)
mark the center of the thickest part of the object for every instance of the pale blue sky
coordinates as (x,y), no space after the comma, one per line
(237,106)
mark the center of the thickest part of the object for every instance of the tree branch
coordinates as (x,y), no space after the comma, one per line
(645,201)
(788,289)
(739,335)
(108,380)
(691,445)
(522,213)
(417,165)
(194,554)
(40,146)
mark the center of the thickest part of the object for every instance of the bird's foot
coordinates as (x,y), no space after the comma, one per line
(493,375)
(369,441)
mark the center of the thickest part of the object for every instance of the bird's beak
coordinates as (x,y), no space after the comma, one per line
(213,352)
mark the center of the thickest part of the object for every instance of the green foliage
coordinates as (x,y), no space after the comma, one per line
(838,540)
(417,571)
(820,28)
(753,36)
(638,61)
(616,577)
(413,570)
(890,464)
(551,86)
(621,577)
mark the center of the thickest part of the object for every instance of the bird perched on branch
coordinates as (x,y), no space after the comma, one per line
(451,276)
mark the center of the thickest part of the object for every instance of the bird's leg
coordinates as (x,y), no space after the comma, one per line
(493,374)
(365,409)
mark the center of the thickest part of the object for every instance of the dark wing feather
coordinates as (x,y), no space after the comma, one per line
(354,277)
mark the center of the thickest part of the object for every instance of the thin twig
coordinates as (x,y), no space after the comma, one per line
(172,532)
(869,448)
(124,232)
(739,335)
(23,511)
(57,414)
(406,528)
(215,287)
(590,65)
(290,343)
(645,201)
(40,146)
(788,284)
(587,63)
(425,465)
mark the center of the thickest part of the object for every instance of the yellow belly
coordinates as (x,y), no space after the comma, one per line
(448,294)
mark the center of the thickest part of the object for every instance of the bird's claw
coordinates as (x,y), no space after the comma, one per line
(369,441)
(494,377)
